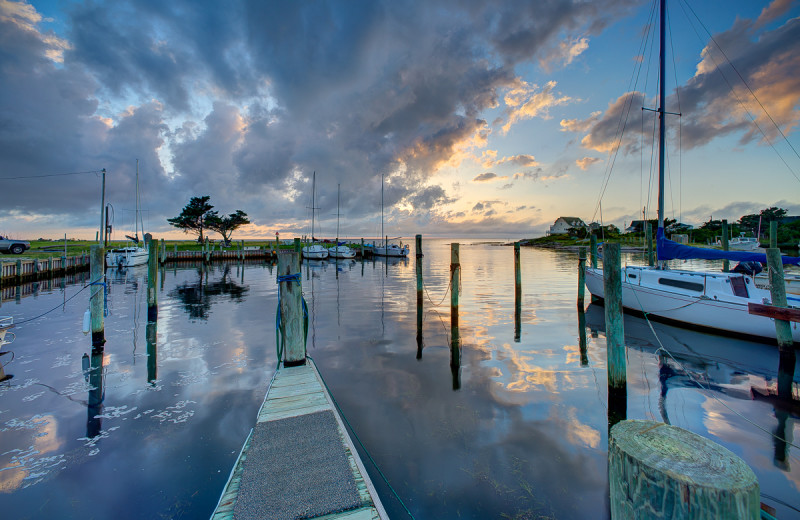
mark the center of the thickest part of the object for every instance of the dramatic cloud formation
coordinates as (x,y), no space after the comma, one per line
(244,100)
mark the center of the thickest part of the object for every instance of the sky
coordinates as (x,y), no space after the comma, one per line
(478,119)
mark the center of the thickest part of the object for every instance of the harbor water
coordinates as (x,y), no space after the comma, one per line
(507,420)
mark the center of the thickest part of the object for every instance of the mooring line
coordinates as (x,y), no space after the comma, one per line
(710,393)
(56,307)
(366,451)
(449,284)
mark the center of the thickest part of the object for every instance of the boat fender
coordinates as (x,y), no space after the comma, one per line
(87,321)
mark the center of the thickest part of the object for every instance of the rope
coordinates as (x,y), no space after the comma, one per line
(449,284)
(695,381)
(366,451)
(56,307)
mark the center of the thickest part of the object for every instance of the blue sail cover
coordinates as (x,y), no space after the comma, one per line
(669,250)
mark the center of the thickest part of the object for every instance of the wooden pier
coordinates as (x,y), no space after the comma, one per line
(299,461)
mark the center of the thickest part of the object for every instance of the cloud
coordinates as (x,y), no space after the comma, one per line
(489,176)
(585,162)
(525,101)
(767,61)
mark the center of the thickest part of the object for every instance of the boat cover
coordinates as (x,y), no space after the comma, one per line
(669,250)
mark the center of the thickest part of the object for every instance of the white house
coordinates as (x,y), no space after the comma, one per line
(564,224)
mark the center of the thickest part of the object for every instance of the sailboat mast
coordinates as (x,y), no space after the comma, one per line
(382,235)
(136,213)
(661,114)
(338,190)
(313,196)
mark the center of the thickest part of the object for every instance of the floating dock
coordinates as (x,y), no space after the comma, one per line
(299,461)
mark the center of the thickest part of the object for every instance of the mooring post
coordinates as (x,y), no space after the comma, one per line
(725,263)
(362,249)
(581,276)
(593,246)
(517,294)
(773,233)
(656,470)
(777,289)
(96,300)
(297,247)
(418,267)
(455,282)
(615,334)
(291,309)
(152,282)
(648,237)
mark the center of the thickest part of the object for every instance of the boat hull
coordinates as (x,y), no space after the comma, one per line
(342,252)
(315,252)
(127,257)
(707,309)
(391,251)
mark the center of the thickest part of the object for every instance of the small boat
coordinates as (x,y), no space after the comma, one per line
(340,250)
(314,251)
(392,250)
(717,301)
(388,249)
(133,254)
(742,243)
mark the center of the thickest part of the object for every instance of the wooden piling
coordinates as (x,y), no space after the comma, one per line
(362,249)
(96,300)
(657,471)
(773,233)
(297,247)
(648,237)
(455,343)
(420,288)
(777,289)
(152,282)
(725,263)
(455,282)
(593,245)
(517,295)
(581,276)
(615,333)
(291,308)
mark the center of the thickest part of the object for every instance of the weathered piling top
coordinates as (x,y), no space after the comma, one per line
(299,461)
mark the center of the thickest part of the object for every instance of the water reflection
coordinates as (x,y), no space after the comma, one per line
(94,374)
(198,297)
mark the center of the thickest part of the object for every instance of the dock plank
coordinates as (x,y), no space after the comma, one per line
(298,396)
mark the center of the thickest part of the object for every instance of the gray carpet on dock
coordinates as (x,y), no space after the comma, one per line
(296,468)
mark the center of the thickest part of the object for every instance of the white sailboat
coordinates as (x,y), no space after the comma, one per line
(340,250)
(132,254)
(389,249)
(713,300)
(314,251)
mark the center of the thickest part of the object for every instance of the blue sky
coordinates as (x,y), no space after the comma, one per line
(486,120)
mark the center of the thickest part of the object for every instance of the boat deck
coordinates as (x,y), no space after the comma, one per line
(299,461)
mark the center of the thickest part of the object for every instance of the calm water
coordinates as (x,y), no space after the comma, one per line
(518,429)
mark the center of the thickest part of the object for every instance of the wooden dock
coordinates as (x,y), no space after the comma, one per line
(299,461)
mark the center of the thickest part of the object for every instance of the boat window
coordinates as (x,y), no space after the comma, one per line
(682,284)
(632,276)
(739,287)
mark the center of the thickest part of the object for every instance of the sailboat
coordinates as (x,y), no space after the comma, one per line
(387,249)
(340,250)
(314,251)
(717,301)
(133,254)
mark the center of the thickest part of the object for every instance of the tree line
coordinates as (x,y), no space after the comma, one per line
(199,215)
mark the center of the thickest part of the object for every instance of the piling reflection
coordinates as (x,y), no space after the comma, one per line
(94,374)
(151,333)
(785,406)
(582,337)
(198,297)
